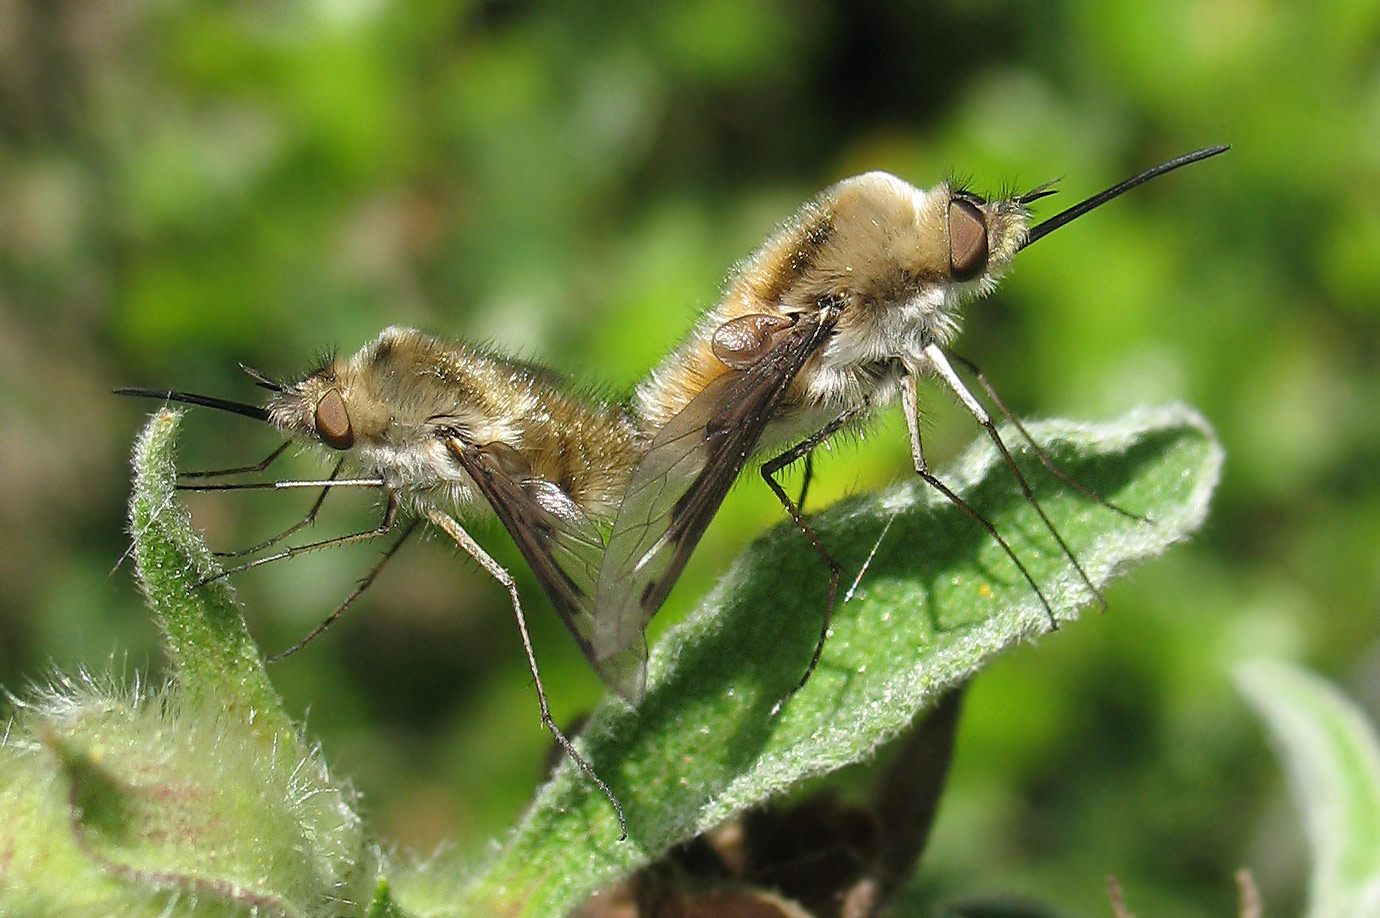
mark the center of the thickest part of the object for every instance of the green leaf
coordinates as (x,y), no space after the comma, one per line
(95,797)
(203,630)
(1333,760)
(143,804)
(198,799)
(938,598)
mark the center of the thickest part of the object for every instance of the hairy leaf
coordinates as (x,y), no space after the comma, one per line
(1333,760)
(937,599)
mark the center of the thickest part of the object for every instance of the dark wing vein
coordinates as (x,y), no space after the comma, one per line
(680,483)
(564,549)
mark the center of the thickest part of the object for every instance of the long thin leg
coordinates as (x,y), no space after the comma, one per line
(349,600)
(769,469)
(946,373)
(805,479)
(389,513)
(917,450)
(259,466)
(242,470)
(287,485)
(1040,454)
(300,524)
(450,527)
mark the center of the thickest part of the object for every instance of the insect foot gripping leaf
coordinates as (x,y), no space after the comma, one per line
(934,603)
(197,799)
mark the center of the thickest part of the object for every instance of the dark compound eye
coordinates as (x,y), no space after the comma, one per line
(967,240)
(333,421)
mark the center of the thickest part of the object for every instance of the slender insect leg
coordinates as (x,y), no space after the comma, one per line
(285,485)
(242,470)
(300,524)
(911,405)
(946,373)
(389,513)
(349,600)
(1048,463)
(450,527)
(805,479)
(769,469)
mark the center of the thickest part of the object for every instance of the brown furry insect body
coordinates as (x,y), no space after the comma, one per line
(408,394)
(450,430)
(851,303)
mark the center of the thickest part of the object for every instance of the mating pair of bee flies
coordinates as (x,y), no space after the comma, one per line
(849,304)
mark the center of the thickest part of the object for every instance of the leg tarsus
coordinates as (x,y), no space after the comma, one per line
(1049,525)
(910,401)
(389,514)
(769,470)
(1068,480)
(939,361)
(304,522)
(363,585)
(241,470)
(450,527)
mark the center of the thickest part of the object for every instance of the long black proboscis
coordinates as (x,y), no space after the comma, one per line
(205,401)
(1053,223)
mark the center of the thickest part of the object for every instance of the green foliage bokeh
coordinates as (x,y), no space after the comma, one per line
(185,186)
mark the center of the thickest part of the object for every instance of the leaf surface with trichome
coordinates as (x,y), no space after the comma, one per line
(937,599)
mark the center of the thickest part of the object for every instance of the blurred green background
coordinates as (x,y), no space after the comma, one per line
(184,186)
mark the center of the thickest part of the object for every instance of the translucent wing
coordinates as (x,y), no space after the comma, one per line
(564,549)
(680,483)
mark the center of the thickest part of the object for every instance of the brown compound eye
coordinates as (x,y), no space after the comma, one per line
(333,421)
(967,240)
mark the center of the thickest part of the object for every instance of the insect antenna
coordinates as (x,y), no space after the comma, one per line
(265,382)
(1039,191)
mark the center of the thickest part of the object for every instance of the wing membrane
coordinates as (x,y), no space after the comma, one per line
(683,478)
(564,549)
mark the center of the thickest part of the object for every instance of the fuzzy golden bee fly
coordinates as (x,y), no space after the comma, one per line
(841,311)
(846,307)
(444,429)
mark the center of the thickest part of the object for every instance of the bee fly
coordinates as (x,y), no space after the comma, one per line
(849,304)
(446,429)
